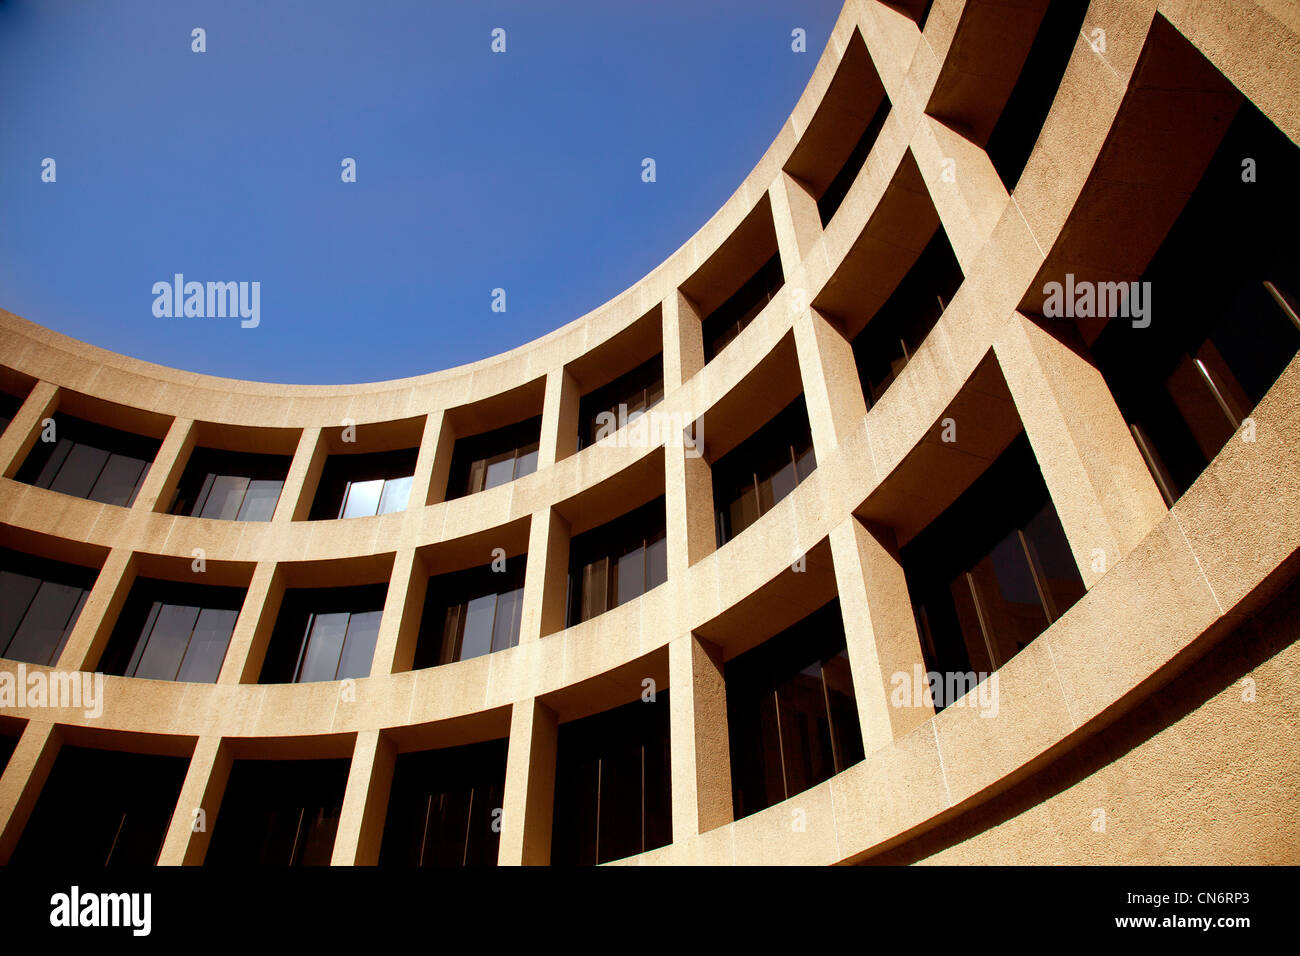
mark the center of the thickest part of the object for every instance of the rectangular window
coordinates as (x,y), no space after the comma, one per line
(279,813)
(494,458)
(40,601)
(617,562)
(365,485)
(751,478)
(102,808)
(470,613)
(90,461)
(232,486)
(172,631)
(729,319)
(444,808)
(324,634)
(627,398)
(613,785)
(791,712)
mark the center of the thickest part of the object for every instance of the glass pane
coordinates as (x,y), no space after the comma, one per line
(805,730)
(324,640)
(743,511)
(972,631)
(477,475)
(80,471)
(16,592)
(629,576)
(500,470)
(505,628)
(207,650)
(845,728)
(527,461)
(43,626)
(1013,611)
(1057,570)
(397,492)
(362,498)
(805,462)
(225,497)
(118,481)
(477,637)
(166,642)
(260,500)
(359,645)
(451,634)
(595,585)
(656,562)
(50,470)
(783,482)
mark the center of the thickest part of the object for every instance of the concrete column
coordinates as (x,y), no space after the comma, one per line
(688,505)
(1103,493)
(832,389)
(365,803)
(25,429)
(530,786)
(683,340)
(546,576)
(256,621)
(95,624)
(189,832)
(795,217)
(24,776)
(701,747)
(168,465)
(399,627)
(559,418)
(434,461)
(879,628)
(304,475)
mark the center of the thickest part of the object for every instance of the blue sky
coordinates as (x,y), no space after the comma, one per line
(475,170)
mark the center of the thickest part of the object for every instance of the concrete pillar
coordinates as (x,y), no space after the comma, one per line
(304,475)
(25,429)
(399,627)
(688,506)
(832,389)
(189,832)
(256,621)
(546,576)
(433,463)
(159,485)
(1103,493)
(701,747)
(559,418)
(683,340)
(365,803)
(795,217)
(529,800)
(879,629)
(99,615)
(24,776)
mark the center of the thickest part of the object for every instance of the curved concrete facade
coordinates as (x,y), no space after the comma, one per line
(1131,702)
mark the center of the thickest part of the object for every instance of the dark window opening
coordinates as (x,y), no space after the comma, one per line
(7,747)
(1224,321)
(791,712)
(610,407)
(279,813)
(470,613)
(445,807)
(324,634)
(233,486)
(102,808)
(896,331)
(833,197)
(992,572)
(1013,137)
(40,601)
(172,631)
(9,406)
(616,562)
(494,458)
(750,479)
(360,486)
(728,320)
(90,461)
(613,785)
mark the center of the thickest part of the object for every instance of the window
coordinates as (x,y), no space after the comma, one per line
(9,406)
(279,813)
(171,631)
(230,485)
(361,486)
(750,479)
(833,197)
(613,784)
(791,712)
(993,571)
(617,562)
(623,400)
(40,601)
(898,328)
(471,613)
(1215,344)
(729,319)
(102,808)
(90,461)
(443,809)
(494,458)
(324,634)
(7,746)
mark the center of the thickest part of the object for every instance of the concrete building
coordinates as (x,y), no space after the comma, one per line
(938,501)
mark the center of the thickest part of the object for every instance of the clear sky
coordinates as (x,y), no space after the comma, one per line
(474,170)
